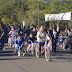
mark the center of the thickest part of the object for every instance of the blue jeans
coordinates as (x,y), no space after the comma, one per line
(2,44)
(17,46)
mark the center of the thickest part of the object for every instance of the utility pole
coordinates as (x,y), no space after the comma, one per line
(38,12)
(22,7)
(22,15)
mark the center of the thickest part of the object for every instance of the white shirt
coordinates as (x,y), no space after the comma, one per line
(42,36)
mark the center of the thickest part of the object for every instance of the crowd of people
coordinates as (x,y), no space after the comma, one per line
(18,36)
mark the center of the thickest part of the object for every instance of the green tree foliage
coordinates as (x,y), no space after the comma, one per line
(11,10)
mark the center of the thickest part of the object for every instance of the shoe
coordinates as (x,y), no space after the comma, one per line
(1,51)
(65,49)
(15,51)
(22,52)
(40,55)
(3,48)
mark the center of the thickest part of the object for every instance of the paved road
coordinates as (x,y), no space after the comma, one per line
(59,62)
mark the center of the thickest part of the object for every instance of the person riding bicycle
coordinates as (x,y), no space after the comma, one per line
(41,38)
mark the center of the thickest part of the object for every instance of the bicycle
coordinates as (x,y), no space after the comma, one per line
(31,48)
(45,49)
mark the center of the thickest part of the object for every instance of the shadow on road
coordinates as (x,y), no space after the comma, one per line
(60,56)
(15,58)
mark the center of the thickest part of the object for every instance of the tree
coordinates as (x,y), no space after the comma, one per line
(11,10)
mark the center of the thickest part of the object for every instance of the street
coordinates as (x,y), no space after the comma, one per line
(59,62)
(35,35)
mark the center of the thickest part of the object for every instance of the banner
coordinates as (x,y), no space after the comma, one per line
(60,16)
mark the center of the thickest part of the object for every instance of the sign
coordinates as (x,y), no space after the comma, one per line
(60,16)
(24,23)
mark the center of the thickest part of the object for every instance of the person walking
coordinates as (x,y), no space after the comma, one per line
(54,40)
(12,34)
(28,31)
(51,32)
(68,32)
(2,33)
(71,38)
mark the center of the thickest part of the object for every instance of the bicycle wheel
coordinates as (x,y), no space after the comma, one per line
(37,50)
(47,54)
(32,52)
(32,48)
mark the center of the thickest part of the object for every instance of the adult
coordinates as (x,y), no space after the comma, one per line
(71,38)
(8,29)
(66,29)
(58,31)
(24,29)
(5,29)
(41,37)
(54,33)
(19,29)
(2,32)
(28,31)
(54,40)
(51,32)
(68,32)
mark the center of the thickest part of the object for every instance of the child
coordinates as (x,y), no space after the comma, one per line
(17,34)
(22,34)
(18,43)
(31,39)
(25,38)
(61,38)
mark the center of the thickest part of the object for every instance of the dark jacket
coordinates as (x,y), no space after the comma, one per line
(51,33)
(34,33)
(2,34)
(19,42)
